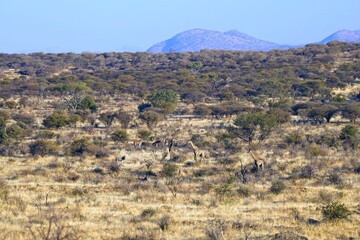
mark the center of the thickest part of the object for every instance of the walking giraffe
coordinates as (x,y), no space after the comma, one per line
(197,152)
(259,162)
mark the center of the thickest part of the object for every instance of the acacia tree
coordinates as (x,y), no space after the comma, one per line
(254,127)
(351,112)
(75,93)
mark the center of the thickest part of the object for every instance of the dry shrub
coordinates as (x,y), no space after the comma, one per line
(51,223)
(216,230)
(164,222)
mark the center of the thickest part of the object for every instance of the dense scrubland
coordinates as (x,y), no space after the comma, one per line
(203,145)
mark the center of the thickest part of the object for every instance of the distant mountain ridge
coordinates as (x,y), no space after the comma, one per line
(343,36)
(198,39)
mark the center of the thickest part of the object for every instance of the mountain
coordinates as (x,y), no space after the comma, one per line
(198,39)
(343,36)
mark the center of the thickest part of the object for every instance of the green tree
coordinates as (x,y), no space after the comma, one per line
(251,127)
(75,93)
(195,66)
(164,99)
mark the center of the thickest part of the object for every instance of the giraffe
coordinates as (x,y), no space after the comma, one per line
(169,151)
(259,162)
(197,152)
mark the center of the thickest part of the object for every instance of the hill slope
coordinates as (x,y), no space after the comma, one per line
(343,36)
(198,39)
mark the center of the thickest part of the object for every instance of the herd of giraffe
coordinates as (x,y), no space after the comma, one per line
(199,155)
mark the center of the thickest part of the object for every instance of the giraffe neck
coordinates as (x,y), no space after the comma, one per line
(193,146)
(256,158)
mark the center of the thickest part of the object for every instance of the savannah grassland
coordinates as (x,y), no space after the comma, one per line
(93,194)
(201,201)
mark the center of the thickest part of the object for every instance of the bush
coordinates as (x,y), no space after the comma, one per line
(335,211)
(164,222)
(295,138)
(102,153)
(88,103)
(151,118)
(4,115)
(56,120)
(27,119)
(202,110)
(314,151)
(244,191)
(81,147)
(17,131)
(164,99)
(46,134)
(124,118)
(11,104)
(277,187)
(170,170)
(42,148)
(119,135)
(144,134)
(3,135)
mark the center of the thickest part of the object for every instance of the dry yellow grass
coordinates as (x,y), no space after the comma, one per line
(120,205)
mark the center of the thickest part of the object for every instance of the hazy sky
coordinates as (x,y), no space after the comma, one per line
(135,25)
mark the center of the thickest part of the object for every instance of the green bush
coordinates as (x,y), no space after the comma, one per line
(119,135)
(277,187)
(88,103)
(56,120)
(164,99)
(144,134)
(335,211)
(151,118)
(81,147)
(170,170)
(3,135)
(42,148)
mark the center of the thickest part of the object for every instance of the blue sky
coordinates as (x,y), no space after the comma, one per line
(135,25)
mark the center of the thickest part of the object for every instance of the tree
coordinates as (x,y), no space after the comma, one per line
(75,93)
(56,120)
(151,118)
(164,99)
(107,118)
(351,111)
(195,66)
(321,112)
(251,127)
(124,118)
